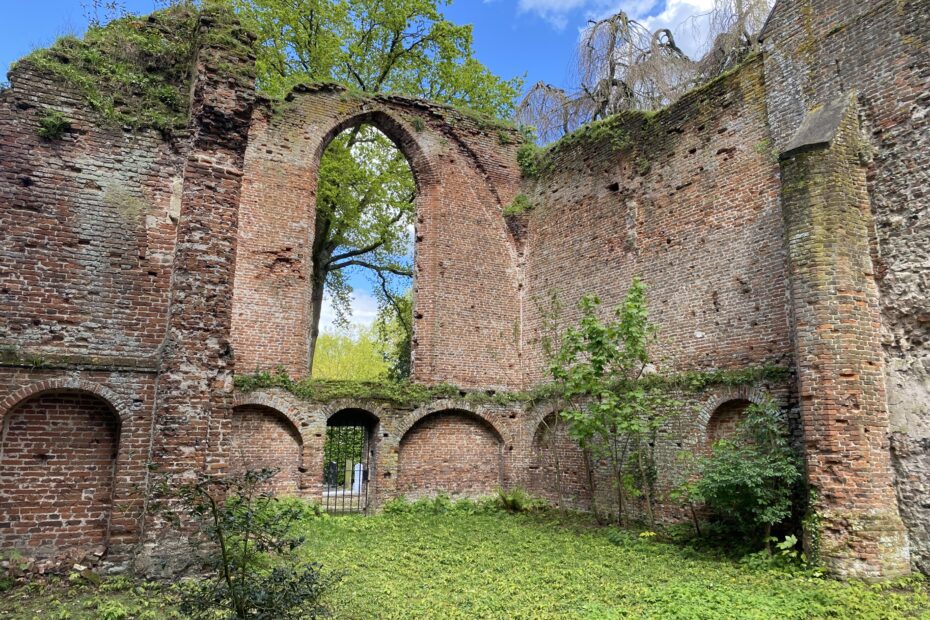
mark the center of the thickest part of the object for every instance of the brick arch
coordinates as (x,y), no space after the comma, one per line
(450,450)
(338,406)
(439,406)
(60,442)
(751,393)
(395,130)
(265,436)
(283,403)
(117,403)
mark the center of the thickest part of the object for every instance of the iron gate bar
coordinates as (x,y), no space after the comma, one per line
(346,467)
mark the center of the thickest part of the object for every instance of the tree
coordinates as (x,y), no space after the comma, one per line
(350,356)
(365,203)
(622,65)
(395,331)
(612,412)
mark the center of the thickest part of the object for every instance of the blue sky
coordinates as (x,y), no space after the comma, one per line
(513,37)
(528,38)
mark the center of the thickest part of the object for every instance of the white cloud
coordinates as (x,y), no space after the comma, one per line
(554,11)
(689,22)
(687,19)
(364,312)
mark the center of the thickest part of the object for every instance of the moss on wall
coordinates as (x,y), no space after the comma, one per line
(135,71)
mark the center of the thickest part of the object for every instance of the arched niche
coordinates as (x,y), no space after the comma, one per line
(450,451)
(58,457)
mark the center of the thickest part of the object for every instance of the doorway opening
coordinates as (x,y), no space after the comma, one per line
(348,454)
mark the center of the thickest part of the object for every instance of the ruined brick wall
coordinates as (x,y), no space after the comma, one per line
(687,200)
(816,51)
(137,273)
(466,282)
(89,223)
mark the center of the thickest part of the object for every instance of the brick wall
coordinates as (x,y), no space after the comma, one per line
(263,438)
(556,469)
(57,463)
(144,270)
(841,378)
(816,50)
(88,225)
(450,452)
(689,203)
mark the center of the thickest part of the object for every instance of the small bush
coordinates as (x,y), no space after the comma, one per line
(750,480)
(528,159)
(520,205)
(53,125)
(251,544)
(518,500)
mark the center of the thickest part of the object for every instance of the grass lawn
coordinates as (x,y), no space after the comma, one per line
(496,565)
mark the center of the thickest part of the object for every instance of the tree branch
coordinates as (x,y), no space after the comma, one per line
(380,269)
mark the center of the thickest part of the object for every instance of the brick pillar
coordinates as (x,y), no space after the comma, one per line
(194,400)
(834,300)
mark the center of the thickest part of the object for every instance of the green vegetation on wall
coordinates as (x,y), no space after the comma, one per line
(53,125)
(134,71)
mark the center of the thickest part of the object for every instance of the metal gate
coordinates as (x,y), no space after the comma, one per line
(345,469)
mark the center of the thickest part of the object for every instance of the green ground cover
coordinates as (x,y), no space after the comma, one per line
(469,563)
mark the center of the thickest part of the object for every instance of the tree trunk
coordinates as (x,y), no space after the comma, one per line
(318,288)
(589,470)
(320,256)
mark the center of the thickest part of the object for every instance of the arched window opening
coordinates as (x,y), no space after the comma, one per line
(725,420)
(362,258)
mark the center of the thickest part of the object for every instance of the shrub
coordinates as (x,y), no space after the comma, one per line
(749,481)
(520,205)
(53,125)
(528,159)
(251,545)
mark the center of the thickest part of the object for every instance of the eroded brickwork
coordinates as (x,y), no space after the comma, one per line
(687,200)
(844,412)
(816,51)
(88,224)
